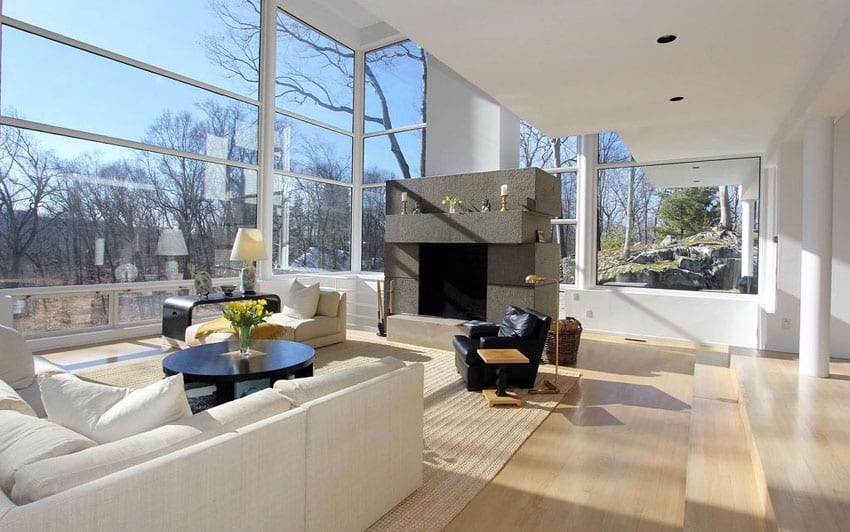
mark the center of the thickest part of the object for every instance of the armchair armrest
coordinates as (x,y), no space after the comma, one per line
(477,331)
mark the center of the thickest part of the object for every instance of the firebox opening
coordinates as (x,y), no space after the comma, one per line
(453,280)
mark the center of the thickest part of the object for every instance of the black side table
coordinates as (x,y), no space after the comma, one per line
(177,310)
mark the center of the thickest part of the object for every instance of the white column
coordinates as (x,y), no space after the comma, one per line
(266,142)
(747,213)
(816,263)
(586,213)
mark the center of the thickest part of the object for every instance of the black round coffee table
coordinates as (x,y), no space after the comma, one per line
(221,364)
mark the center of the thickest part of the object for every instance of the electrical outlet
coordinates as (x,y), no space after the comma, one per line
(786,323)
(575,296)
(588,313)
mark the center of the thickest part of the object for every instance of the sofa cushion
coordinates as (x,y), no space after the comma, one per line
(300,391)
(301,301)
(316,328)
(26,439)
(48,477)
(11,400)
(107,413)
(328,303)
(17,366)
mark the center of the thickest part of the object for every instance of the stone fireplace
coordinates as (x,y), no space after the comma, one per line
(445,268)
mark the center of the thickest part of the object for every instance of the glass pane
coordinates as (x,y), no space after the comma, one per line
(536,149)
(104,209)
(569,194)
(42,314)
(374,214)
(395,87)
(312,226)
(565,236)
(311,150)
(612,149)
(217,42)
(315,74)
(133,104)
(393,156)
(134,307)
(677,226)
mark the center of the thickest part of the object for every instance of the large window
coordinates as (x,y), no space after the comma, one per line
(559,156)
(684,226)
(128,147)
(394,143)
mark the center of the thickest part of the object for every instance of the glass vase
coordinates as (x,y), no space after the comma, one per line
(452,208)
(244,340)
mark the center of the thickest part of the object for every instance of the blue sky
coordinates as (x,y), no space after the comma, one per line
(55,84)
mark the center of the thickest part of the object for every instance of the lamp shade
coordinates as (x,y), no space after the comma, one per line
(248,245)
(171,243)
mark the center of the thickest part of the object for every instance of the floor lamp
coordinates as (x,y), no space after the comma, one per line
(535,280)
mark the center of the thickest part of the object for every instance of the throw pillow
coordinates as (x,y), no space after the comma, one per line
(300,391)
(108,413)
(301,301)
(328,303)
(27,439)
(516,322)
(11,400)
(17,366)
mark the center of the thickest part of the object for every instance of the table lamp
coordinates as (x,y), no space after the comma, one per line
(248,247)
(537,279)
(171,244)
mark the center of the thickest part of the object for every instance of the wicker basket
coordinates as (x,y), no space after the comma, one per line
(569,335)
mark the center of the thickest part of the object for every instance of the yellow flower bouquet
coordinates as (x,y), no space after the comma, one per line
(453,202)
(244,316)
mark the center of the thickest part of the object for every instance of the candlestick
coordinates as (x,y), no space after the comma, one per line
(504,190)
(404,196)
(504,201)
(404,206)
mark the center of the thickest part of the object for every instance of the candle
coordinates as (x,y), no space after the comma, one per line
(404,196)
(504,190)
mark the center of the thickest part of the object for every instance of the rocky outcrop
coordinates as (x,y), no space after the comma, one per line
(703,261)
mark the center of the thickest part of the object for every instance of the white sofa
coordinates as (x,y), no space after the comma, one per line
(332,452)
(327,327)
(19,368)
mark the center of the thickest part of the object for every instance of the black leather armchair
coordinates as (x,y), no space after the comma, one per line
(521,329)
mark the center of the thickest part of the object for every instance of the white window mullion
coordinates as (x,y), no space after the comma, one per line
(357,161)
(586,210)
(268,43)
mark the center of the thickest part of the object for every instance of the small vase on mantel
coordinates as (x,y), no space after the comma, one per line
(244,340)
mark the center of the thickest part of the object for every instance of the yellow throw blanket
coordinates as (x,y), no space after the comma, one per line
(264,331)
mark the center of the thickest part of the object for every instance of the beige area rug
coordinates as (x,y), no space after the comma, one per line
(466,442)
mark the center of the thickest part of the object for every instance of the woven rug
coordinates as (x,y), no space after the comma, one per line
(466,442)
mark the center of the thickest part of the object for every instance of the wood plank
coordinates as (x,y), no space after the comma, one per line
(612,456)
(800,429)
(502,356)
(721,491)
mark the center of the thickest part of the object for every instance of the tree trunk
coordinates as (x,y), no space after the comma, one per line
(630,198)
(724,208)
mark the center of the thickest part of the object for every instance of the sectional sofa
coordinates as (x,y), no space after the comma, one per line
(332,452)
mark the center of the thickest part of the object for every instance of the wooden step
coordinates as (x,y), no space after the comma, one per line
(721,491)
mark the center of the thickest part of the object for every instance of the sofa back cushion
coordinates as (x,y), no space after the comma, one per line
(300,391)
(11,400)
(517,322)
(26,439)
(108,413)
(301,301)
(41,479)
(328,303)
(17,366)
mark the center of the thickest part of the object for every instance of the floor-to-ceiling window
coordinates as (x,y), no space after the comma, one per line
(128,151)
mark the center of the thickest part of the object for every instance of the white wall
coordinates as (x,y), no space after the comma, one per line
(788,210)
(840,323)
(698,318)
(467,130)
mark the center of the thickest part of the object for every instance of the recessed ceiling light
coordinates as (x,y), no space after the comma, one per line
(677,98)
(665,39)
(696,181)
(695,167)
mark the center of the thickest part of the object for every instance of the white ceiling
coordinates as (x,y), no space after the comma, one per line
(584,66)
